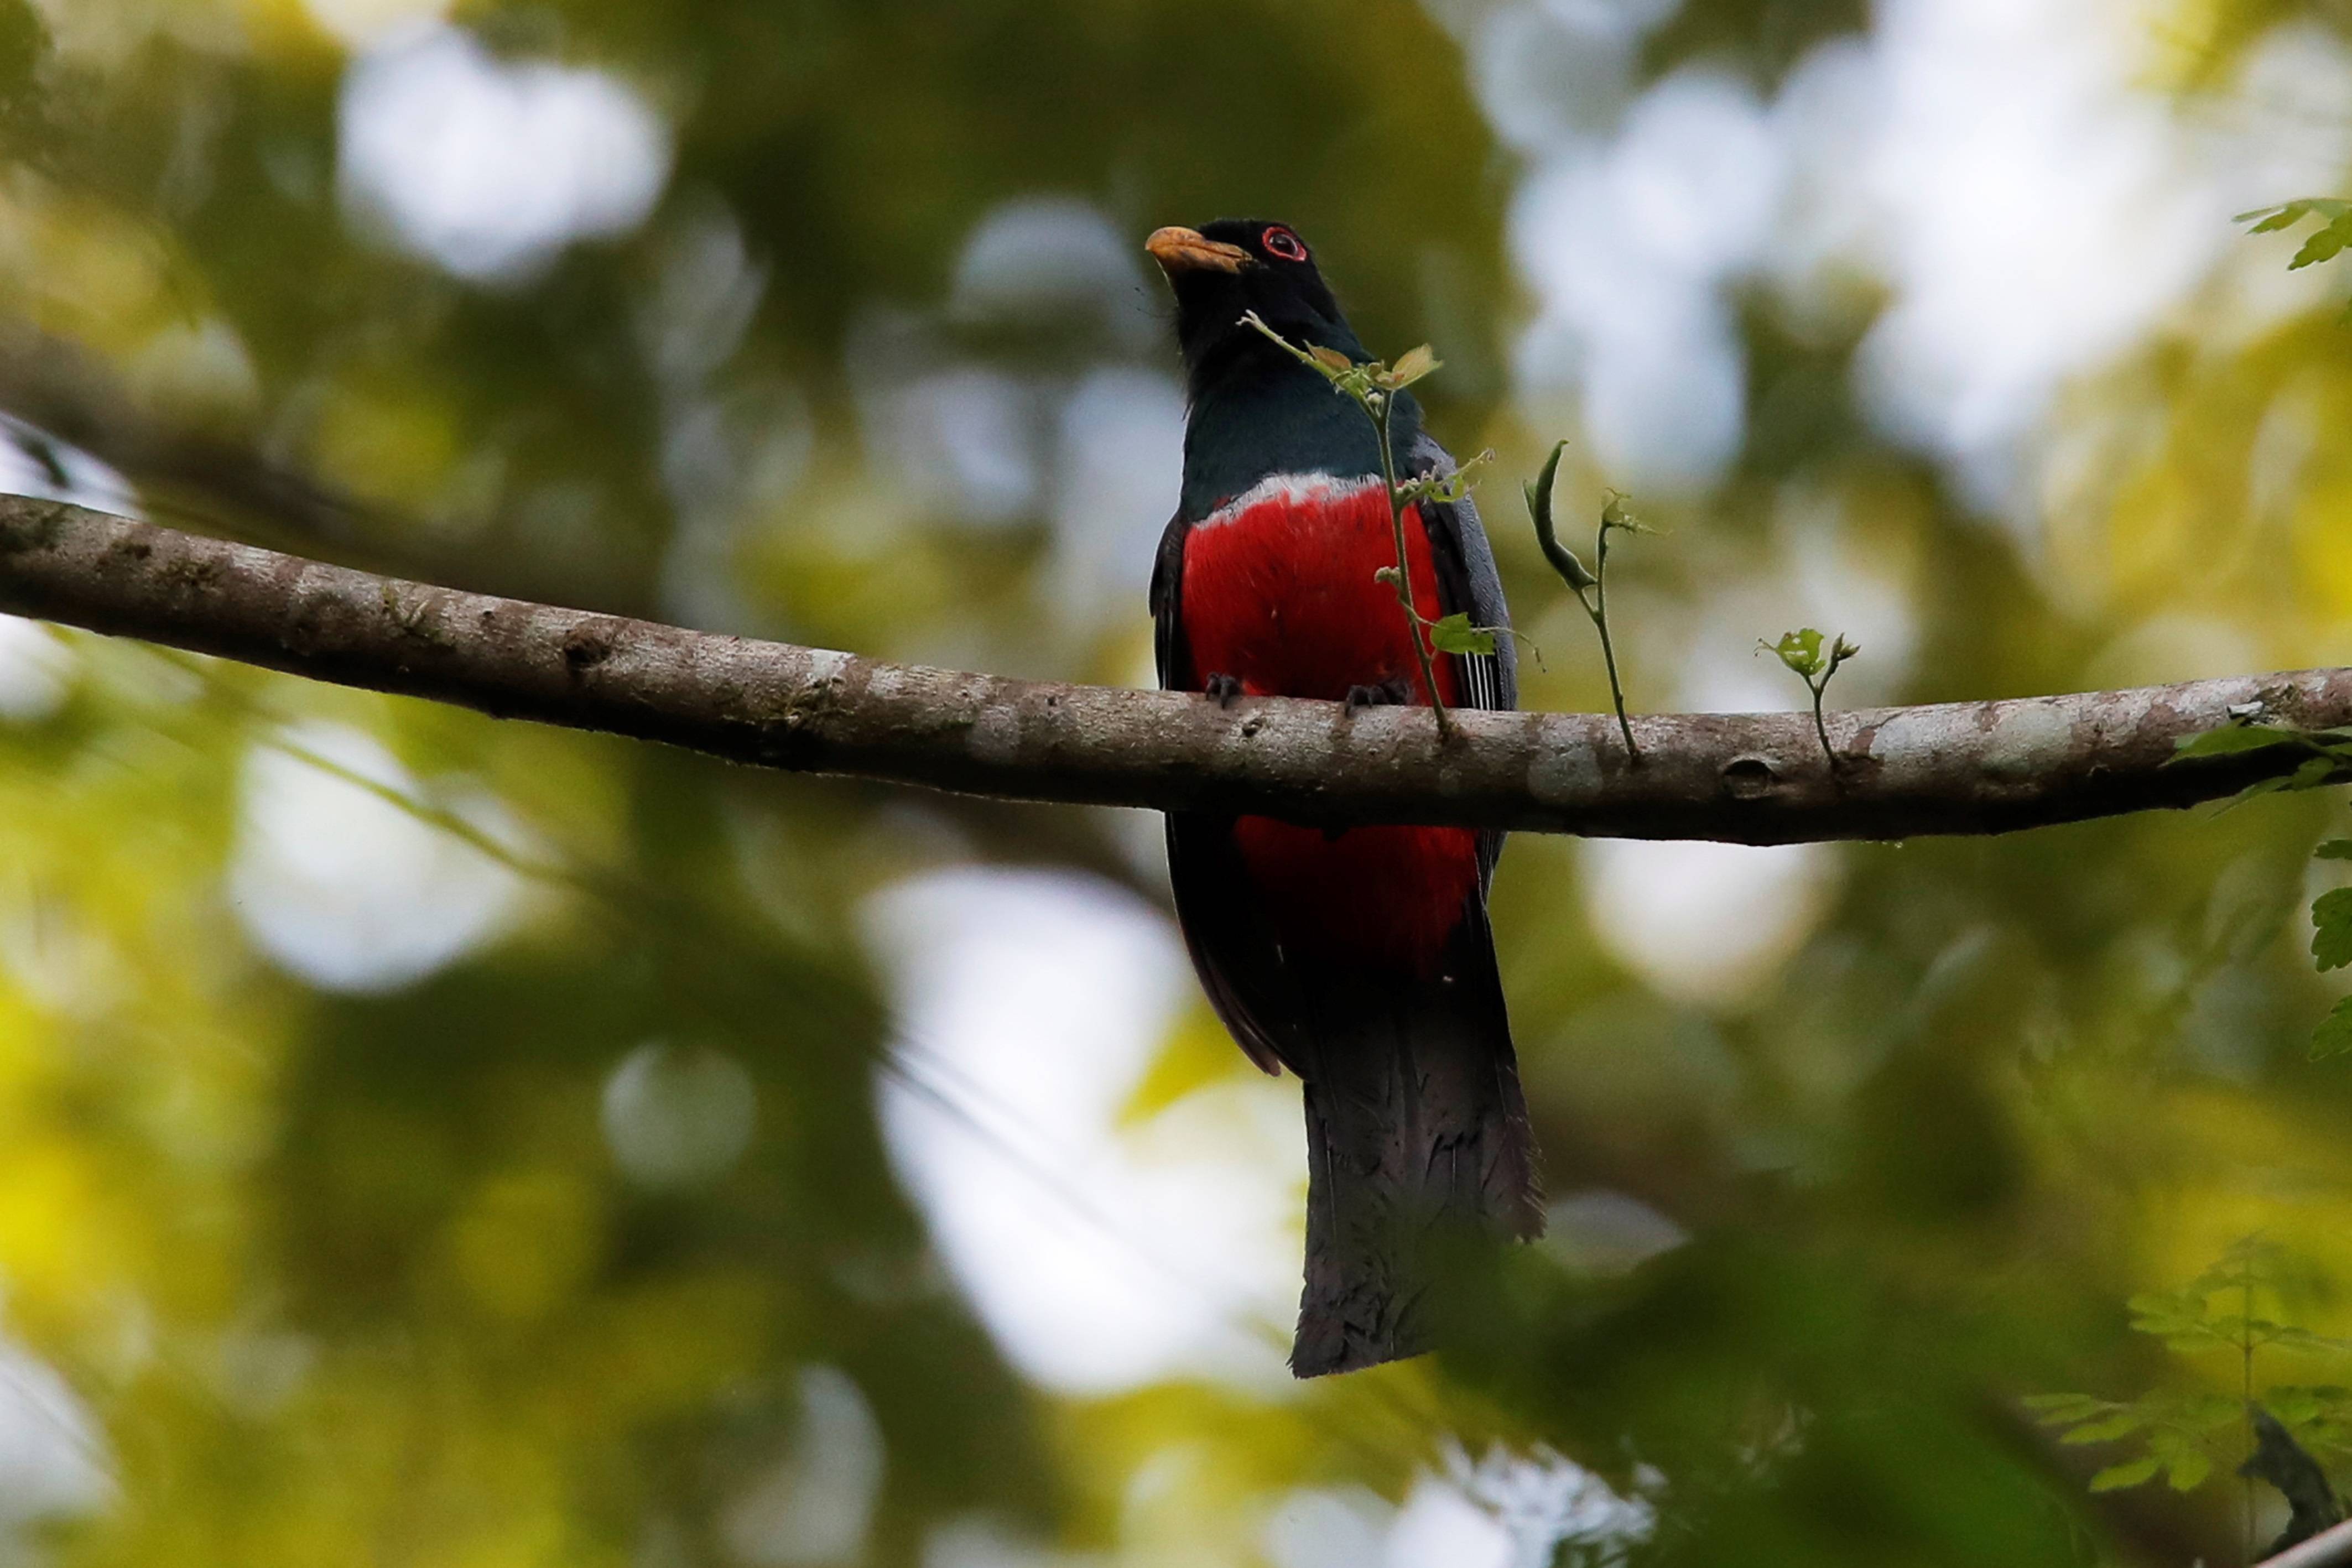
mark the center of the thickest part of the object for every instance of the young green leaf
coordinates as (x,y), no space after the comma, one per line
(2189,1471)
(2331,935)
(2321,246)
(2123,1424)
(1801,651)
(1619,514)
(1446,487)
(2210,1411)
(2334,1035)
(2115,1478)
(2288,214)
(2227,739)
(1455,634)
(1413,364)
(2063,1409)
(2314,772)
(1538,493)
(1330,359)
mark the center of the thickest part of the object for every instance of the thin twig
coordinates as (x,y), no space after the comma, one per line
(1600,615)
(1403,581)
(1803,653)
(1571,571)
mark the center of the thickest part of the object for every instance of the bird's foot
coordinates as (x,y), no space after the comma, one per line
(1223,688)
(1394,692)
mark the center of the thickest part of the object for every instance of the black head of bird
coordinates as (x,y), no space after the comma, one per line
(1223,270)
(1256,410)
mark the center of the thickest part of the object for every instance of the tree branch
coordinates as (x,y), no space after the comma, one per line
(1957,768)
(2331,1548)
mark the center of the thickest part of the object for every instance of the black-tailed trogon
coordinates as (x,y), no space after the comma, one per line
(1361,959)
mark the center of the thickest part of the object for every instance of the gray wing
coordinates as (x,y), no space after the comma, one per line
(1467,580)
(1167,597)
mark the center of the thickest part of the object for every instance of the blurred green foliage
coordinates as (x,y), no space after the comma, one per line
(351,1275)
(2186,1432)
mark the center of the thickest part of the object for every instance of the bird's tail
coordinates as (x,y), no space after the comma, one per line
(1416,1131)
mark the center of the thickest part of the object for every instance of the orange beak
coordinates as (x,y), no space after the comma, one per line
(1183,250)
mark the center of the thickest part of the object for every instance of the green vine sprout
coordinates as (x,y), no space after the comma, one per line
(1590,587)
(1802,652)
(2186,1434)
(1373,386)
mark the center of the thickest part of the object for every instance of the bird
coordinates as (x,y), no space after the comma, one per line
(1361,959)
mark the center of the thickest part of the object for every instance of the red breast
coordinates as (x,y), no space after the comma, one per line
(1280,594)
(1279,590)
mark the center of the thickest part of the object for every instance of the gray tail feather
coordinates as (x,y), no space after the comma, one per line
(1415,1128)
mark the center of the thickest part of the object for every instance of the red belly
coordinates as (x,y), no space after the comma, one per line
(1280,595)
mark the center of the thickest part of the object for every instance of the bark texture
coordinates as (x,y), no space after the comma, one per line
(2328,1549)
(1758,779)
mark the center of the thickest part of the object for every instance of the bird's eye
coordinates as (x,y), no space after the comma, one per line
(1279,241)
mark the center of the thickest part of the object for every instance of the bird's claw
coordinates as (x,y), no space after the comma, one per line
(1222,689)
(1390,692)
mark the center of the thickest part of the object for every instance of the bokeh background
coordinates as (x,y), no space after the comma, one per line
(426,1140)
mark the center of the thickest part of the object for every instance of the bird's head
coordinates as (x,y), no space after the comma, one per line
(1225,270)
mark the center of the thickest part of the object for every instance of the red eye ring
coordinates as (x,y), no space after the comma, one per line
(1279,241)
